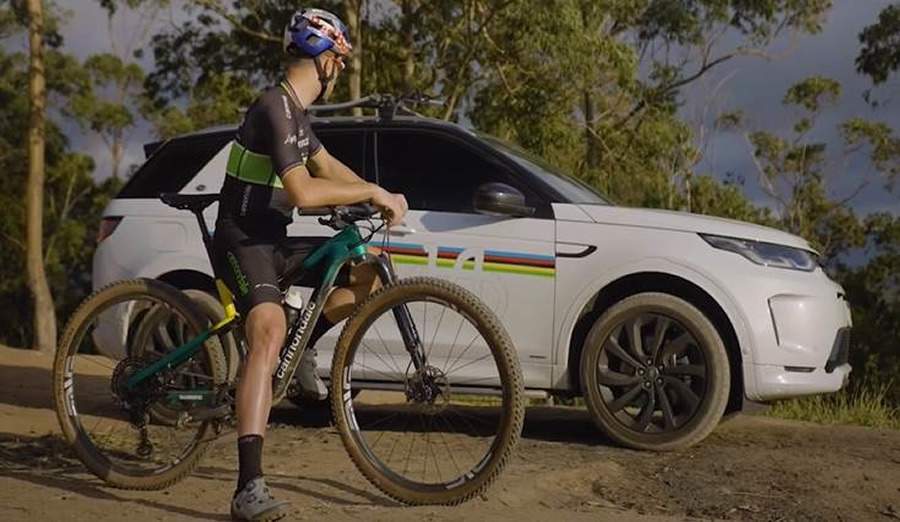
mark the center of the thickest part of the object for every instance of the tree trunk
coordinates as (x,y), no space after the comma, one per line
(117,150)
(353,15)
(408,10)
(591,153)
(44,313)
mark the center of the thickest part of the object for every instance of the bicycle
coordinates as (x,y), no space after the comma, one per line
(171,395)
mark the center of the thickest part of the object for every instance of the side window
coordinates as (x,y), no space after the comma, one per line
(347,146)
(173,164)
(435,172)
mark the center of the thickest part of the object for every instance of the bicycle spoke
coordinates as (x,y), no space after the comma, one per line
(386,349)
(462,321)
(436,330)
(470,363)
(436,424)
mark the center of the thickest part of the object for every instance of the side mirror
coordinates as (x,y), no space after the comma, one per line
(500,199)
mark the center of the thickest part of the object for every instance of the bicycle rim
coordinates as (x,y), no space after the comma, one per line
(115,426)
(440,433)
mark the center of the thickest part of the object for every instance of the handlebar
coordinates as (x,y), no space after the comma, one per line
(359,210)
(341,216)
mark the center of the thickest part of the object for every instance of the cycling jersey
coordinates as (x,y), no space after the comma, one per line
(250,246)
(274,137)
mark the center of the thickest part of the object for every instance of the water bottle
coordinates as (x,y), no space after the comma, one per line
(293,304)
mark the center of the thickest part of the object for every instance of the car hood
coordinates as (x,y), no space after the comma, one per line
(687,222)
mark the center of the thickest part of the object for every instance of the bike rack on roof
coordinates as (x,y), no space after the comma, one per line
(386,106)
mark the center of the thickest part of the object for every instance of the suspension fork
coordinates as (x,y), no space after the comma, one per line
(411,339)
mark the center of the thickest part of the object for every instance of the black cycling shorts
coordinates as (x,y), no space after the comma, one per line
(251,262)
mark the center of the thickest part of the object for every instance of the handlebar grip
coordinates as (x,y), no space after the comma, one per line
(362,209)
(317,211)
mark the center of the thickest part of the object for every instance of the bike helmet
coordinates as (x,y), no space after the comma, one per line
(311,32)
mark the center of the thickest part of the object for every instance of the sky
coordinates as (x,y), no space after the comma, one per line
(752,85)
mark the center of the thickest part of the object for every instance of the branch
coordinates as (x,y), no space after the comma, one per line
(853,194)
(15,241)
(217,8)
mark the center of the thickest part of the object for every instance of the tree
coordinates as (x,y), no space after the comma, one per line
(880,54)
(797,174)
(44,313)
(353,19)
(108,102)
(873,290)
(72,201)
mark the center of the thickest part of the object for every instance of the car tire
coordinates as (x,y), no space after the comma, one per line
(655,373)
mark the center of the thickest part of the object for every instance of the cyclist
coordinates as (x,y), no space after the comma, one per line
(275,164)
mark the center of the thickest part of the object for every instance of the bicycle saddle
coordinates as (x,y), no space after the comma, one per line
(192,202)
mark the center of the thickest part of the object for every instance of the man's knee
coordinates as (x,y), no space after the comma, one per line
(266,329)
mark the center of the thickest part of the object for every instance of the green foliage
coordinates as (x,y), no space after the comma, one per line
(798,174)
(814,93)
(104,98)
(218,100)
(880,54)
(73,202)
(861,405)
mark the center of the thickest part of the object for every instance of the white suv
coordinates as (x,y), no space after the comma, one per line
(663,321)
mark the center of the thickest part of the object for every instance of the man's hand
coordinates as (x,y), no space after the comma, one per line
(393,206)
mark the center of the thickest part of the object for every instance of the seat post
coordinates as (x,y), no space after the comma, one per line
(204,231)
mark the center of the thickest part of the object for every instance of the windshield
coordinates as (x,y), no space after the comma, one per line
(573,189)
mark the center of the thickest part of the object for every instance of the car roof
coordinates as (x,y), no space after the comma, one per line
(328,121)
(343,121)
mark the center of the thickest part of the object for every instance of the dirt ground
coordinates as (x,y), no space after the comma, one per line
(751,468)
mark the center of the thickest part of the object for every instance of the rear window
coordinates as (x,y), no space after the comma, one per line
(174,164)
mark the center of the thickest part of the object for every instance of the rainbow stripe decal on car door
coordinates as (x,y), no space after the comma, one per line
(494,260)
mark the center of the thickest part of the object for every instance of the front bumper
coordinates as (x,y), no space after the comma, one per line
(780,382)
(803,347)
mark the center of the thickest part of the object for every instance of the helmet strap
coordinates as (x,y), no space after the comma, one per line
(323,77)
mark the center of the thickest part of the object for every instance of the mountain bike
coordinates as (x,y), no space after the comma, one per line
(426,390)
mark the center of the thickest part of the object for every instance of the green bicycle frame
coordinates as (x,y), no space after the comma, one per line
(328,259)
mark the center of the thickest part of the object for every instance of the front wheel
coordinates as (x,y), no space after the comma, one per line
(654,373)
(440,433)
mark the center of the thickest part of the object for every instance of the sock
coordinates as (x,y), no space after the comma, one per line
(321,328)
(250,459)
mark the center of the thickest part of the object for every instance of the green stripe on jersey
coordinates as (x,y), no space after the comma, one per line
(251,167)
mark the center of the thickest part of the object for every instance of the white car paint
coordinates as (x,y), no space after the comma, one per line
(540,311)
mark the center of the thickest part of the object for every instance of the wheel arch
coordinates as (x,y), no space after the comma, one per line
(650,281)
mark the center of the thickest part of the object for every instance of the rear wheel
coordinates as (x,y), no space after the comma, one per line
(655,373)
(110,423)
(440,434)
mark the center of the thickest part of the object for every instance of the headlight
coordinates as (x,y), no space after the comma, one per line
(766,254)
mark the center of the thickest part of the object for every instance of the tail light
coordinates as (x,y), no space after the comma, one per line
(107,227)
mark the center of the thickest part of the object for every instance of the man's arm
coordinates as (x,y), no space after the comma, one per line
(324,165)
(309,192)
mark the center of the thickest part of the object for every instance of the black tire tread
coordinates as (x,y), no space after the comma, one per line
(503,344)
(719,366)
(85,312)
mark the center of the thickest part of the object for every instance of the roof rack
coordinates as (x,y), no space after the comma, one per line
(386,106)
